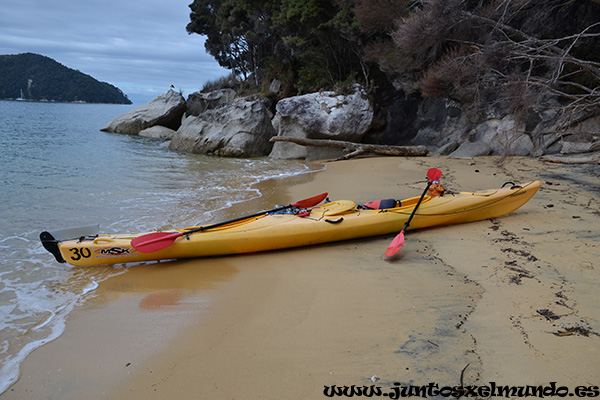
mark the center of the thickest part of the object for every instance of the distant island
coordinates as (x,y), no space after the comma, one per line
(35,77)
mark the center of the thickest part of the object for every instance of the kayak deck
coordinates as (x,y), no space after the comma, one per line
(333,221)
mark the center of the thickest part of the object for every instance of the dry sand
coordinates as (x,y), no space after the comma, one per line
(512,300)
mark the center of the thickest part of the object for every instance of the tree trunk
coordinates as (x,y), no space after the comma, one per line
(355,149)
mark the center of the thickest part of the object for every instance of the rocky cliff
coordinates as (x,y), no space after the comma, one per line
(222,123)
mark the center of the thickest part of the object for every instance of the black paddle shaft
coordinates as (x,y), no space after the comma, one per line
(258,214)
(301,204)
(417,206)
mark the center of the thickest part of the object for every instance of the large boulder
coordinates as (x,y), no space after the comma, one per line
(471,149)
(166,110)
(199,102)
(240,129)
(323,115)
(158,132)
(582,138)
(505,136)
(554,136)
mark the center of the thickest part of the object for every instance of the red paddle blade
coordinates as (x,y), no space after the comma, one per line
(310,202)
(434,174)
(396,245)
(154,241)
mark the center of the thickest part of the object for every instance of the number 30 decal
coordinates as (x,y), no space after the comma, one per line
(80,253)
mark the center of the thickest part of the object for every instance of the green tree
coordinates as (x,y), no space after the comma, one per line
(310,44)
(238,32)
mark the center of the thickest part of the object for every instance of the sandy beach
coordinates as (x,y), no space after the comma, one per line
(512,300)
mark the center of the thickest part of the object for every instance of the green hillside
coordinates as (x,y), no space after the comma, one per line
(36,77)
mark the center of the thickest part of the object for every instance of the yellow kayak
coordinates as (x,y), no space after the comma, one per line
(330,222)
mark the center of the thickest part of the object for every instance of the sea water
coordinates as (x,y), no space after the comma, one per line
(57,170)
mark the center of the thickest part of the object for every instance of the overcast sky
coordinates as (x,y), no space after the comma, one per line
(140,46)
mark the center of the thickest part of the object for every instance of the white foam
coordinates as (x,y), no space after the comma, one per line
(10,370)
(32,299)
(42,293)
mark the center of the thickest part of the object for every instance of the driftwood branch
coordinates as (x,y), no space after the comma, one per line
(355,149)
(584,158)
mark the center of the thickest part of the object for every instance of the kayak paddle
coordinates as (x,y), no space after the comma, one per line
(433,176)
(156,241)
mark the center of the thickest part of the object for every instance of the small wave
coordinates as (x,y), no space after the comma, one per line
(6,239)
(39,311)
(93,286)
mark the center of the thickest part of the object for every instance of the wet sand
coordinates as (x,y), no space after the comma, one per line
(511,300)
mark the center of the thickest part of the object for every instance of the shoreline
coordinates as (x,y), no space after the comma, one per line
(508,300)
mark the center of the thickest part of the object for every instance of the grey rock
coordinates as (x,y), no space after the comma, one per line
(572,147)
(471,149)
(445,150)
(322,115)
(505,137)
(235,130)
(275,86)
(165,110)
(198,102)
(158,132)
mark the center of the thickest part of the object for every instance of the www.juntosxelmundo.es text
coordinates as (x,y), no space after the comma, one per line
(491,390)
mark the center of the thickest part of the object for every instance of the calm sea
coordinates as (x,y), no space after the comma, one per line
(59,171)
